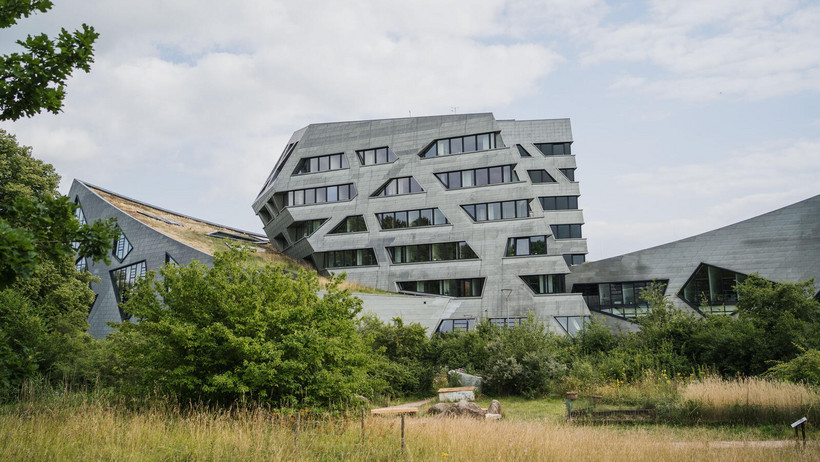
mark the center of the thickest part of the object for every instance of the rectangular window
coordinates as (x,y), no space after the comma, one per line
(426,218)
(508,209)
(469,144)
(494,211)
(482,176)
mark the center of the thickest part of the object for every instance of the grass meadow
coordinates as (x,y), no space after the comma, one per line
(68,425)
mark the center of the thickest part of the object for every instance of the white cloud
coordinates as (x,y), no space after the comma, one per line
(705,49)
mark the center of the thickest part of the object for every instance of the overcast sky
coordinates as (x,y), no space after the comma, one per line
(687,114)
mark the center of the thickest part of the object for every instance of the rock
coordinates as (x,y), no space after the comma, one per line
(464,408)
(495,407)
(438,408)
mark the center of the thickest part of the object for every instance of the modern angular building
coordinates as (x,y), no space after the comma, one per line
(699,273)
(481,211)
(151,236)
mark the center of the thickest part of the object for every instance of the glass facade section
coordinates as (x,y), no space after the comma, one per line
(540,176)
(554,149)
(566,231)
(529,245)
(545,283)
(493,211)
(351,224)
(442,251)
(342,192)
(569,173)
(351,257)
(169,260)
(460,144)
(123,280)
(81,264)
(459,288)
(376,156)
(574,258)
(619,299)
(301,229)
(122,247)
(559,202)
(411,219)
(398,186)
(455,325)
(522,151)
(712,290)
(478,177)
(321,164)
(572,324)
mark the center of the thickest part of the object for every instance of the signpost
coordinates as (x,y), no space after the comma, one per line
(802,424)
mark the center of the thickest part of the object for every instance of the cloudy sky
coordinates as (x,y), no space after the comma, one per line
(687,114)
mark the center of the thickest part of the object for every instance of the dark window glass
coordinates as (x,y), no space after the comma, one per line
(546,283)
(449,287)
(540,176)
(122,246)
(456,146)
(426,218)
(569,173)
(538,245)
(469,144)
(401,220)
(352,257)
(321,195)
(482,176)
(470,209)
(439,217)
(508,209)
(413,217)
(352,224)
(495,175)
(522,152)
(461,144)
(548,203)
(455,180)
(444,178)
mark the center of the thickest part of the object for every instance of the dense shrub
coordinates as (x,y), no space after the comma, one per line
(230,332)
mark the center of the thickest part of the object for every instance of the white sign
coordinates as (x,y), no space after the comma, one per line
(799,422)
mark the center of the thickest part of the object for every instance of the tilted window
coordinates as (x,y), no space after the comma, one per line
(620,299)
(350,257)
(546,283)
(460,144)
(321,195)
(300,229)
(522,151)
(574,258)
(528,245)
(559,202)
(376,156)
(411,219)
(712,290)
(351,224)
(478,177)
(493,211)
(572,324)
(123,280)
(122,247)
(450,287)
(398,186)
(572,231)
(321,164)
(540,176)
(554,149)
(569,173)
(440,251)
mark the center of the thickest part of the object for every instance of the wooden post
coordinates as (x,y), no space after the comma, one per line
(803,429)
(402,436)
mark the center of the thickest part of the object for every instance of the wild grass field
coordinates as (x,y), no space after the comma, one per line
(66,425)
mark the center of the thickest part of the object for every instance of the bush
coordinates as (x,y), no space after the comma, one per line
(231,332)
(804,369)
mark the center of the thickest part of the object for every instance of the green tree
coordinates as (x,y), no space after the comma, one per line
(786,314)
(37,223)
(231,331)
(409,366)
(34,79)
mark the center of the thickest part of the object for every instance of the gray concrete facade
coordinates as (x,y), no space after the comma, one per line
(148,245)
(408,139)
(782,246)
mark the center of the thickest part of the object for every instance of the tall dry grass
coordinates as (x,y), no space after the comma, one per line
(92,430)
(749,400)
